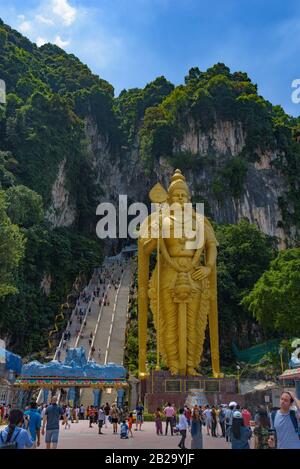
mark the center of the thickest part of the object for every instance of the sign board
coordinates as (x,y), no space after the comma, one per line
(267,398)
(173,385)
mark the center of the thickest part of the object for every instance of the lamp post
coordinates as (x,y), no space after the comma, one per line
(281,359)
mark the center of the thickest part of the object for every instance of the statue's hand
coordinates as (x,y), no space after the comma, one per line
(201,273)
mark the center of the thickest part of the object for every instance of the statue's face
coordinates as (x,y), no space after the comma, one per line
(179,196)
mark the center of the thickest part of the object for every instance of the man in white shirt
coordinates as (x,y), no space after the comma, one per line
(286,423)
(182,427)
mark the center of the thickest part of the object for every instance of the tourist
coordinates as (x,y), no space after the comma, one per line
(285,422)
(13,436)
(77,414)
(58,355)
(130,423)
(81,412)
(174,421)
(67,411)
(51,418)
(96,413)
(34,424)
(158,422)
(182,427)
(208,418)
(188,414)
(43,412)
(239,434)
(139,415)
(91,415)
(228,421)
(169,412)
(261,431)
(114,414)
(73,414)
(246,417)
(213,421)
(124,430)
(101,420)
(197,420)
(107,413)
(99,353)
(222,420)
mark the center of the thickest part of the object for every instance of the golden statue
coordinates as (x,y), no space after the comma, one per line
(183,287)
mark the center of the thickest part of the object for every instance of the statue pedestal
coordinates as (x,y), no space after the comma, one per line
(161,387)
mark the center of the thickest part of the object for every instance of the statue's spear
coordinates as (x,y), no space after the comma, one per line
(158,196)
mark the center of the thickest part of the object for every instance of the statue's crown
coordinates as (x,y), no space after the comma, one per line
(177,176)
(178,182)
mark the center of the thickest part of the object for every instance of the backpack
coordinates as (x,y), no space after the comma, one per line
(9,444)
(227,420)
(293,419)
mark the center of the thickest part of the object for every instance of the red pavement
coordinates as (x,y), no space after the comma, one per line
(80,436)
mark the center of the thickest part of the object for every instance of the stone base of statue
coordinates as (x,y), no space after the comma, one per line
(161,387)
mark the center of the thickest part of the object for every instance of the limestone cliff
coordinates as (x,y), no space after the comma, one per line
(258,203)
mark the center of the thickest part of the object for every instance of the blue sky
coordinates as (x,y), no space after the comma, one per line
(131,42)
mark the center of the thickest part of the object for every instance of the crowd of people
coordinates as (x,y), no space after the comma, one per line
(103,279)
(266,429)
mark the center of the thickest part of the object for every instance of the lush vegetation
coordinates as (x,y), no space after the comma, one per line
(50,93)
(275,299)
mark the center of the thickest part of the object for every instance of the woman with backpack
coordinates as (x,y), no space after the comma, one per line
(239,434)
(13,436)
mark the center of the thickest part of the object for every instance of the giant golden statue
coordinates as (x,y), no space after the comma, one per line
(182,289)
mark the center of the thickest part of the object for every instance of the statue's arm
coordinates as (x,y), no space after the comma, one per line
(211,254)
(149,245)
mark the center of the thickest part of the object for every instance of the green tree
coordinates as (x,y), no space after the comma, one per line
(275,298)
(244,254)
(12,245)
(24,206)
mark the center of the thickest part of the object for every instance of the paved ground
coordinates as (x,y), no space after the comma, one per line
(80,436)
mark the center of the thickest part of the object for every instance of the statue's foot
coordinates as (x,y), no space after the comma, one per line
(174,370)
(192,372)
(218,375)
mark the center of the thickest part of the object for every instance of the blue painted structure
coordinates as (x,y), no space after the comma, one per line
(74,366)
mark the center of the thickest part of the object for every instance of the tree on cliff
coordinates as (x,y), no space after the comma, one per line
(12,246)
(275,298)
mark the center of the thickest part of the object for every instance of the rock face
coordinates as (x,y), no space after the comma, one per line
(258,201)
(62,212)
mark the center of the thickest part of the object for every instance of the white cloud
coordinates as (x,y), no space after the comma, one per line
(25,27)
(60,43)
(21,17)
(43,20)
(40,41)
(65,11)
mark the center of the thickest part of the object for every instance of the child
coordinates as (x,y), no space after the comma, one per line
(158,423)
(130,423)
(124,430)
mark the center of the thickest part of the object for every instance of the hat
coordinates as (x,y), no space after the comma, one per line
(232,404)
(237,415)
